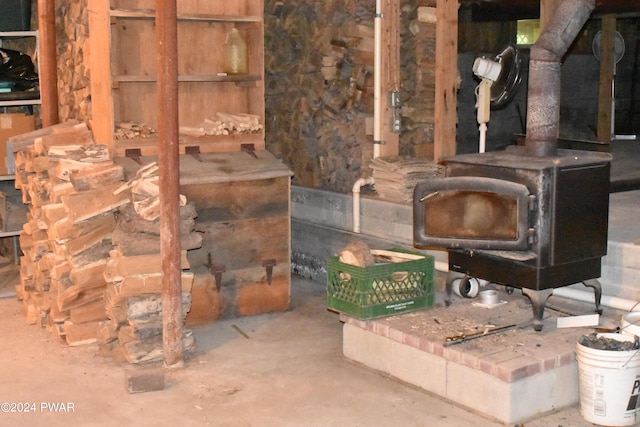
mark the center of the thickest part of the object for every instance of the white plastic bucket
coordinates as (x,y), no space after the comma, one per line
(630,323)
(609,383)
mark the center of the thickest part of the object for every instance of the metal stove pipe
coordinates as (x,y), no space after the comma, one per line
(543,104)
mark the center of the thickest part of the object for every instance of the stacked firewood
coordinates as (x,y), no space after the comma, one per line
(83,255)
(225,124)
(133,300)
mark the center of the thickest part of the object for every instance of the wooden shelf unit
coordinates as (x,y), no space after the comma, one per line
(123,65)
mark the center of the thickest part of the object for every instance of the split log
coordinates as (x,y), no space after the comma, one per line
(357,253)
(131,244)
(92,203)
(22,142)
(78,137)
(91,312)
(120,266)
(93,178)
(80,333)
(152,350)
(66,229)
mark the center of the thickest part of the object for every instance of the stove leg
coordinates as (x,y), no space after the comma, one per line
(451,277)
(597,291)
(538,300)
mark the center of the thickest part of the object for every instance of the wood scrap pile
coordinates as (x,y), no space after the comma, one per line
(396,178)
(83,239)
(131,130)
(225,124)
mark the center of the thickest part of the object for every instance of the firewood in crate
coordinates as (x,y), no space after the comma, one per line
(357,253)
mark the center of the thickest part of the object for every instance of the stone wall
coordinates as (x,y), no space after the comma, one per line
(319,87)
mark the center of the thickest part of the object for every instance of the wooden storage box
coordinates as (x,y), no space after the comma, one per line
(242,203)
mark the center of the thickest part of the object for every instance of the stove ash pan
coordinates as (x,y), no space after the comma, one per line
(528,222)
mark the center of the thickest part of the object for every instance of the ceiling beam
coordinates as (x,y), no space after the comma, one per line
(512,10)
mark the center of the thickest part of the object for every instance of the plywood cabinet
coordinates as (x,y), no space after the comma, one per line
(123,70)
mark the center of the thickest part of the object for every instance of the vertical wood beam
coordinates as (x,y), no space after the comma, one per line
(446,98)
(101,80)
(390,73)
(47,59)
(168,161)
(607,74)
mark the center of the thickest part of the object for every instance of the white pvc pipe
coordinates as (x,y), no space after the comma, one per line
(377,80)
(356,201)
(482,146)
(606,300)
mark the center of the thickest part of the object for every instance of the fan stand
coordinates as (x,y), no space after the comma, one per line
(483,105)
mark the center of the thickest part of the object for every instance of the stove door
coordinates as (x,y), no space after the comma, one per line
(472,213)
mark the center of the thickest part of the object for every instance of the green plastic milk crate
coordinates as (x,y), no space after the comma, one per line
(384,289)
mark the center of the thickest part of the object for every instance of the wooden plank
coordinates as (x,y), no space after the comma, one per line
(446,99)
(390,81)
(100,45)
(607,74)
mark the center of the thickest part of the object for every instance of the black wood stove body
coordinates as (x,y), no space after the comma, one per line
(529,222)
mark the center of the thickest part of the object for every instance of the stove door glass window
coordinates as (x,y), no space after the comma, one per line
(471,215)
(471,212)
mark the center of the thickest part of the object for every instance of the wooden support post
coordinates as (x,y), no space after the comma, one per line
(607,74)
(446,99)
(168,161)
(390,73)
(101,79)
(47,59)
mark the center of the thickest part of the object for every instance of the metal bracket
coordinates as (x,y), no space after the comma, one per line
(249,148)
(193,150)
(395,103)
(216,270)
(134,154)
(268,265)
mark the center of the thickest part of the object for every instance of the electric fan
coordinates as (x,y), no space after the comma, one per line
(500,78)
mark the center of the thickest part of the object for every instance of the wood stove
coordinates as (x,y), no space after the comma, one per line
(528,222)
(532,217)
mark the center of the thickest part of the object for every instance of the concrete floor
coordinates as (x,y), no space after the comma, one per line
(288,371)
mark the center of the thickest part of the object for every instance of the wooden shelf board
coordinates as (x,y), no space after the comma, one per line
(123,78)
(151,14)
